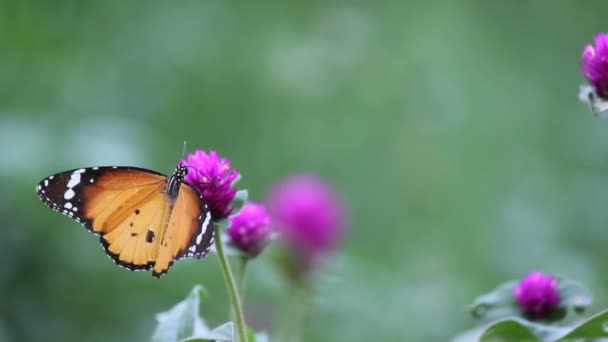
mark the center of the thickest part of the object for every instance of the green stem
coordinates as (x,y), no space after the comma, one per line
(242,271)
(240,282)
(293,315)
(231,285)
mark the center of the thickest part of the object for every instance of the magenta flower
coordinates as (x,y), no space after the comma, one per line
(595,64)
(250,229)
(537,294)
(308,214)
(212,177)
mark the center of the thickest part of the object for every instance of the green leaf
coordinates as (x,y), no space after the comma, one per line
(594,327)
(597,105)
(500,302)
(181,321)
(223,333)
(508,330)
(496,304)
(574,295)
(236,180)
(239,200)
(517,329)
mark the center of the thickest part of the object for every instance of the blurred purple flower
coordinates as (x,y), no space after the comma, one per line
(308,214)
(537,293)
(250,229)
(595,64)
(212,177)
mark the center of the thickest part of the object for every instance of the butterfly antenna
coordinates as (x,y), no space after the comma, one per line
(184,150)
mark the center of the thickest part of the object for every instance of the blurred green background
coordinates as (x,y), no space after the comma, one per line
(453,130)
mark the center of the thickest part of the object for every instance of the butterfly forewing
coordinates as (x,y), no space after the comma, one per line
(140,224)
(73,192)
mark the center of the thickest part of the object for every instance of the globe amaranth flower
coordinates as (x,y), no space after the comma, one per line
(308,214)
(213,178)
(537,294)
(250,229)
(595,64)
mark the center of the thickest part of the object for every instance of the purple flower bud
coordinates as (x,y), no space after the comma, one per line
(308,214)
(537,293)
(212,177)
(250,228)
(595,64)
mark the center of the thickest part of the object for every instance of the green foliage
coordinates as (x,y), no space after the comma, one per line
(239,200)
(507,330)
(521,330)
(509,323)
(223,333)
(183,323)
(574,297)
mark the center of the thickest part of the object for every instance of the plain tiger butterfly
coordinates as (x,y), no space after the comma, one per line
(145,220)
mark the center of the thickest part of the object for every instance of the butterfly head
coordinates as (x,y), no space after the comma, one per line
(180,172)
(176,179)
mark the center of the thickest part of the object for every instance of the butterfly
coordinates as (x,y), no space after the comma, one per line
(145,220)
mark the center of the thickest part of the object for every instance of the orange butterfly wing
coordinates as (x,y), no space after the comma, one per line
(189,232)
(141,225)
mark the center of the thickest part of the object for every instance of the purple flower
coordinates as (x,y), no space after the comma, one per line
(308,214)
(595,64)
(250,229)
(537,294)
(212,177)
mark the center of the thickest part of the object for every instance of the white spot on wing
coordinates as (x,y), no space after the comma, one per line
(68,205)
(69,194)
(74,179)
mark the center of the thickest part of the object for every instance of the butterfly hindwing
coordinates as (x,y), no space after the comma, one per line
(141,223)
(189,230)
(132,242)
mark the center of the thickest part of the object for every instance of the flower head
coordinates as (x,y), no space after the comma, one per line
(595,64)
(250,229)
(212,177)
(537,294)
(308,214)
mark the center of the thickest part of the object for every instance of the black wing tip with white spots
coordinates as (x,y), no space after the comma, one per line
(59,192)
(63,192)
